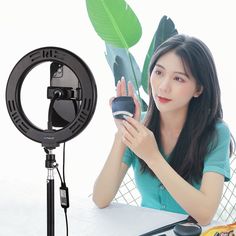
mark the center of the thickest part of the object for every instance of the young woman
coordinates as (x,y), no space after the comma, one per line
(180,151)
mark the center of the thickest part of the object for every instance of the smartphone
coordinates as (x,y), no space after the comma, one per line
(64,110)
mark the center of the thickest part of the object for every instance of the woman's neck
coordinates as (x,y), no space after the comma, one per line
(172,121)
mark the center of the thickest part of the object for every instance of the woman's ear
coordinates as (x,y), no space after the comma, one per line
(198,92)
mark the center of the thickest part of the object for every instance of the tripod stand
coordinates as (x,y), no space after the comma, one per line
(75,83)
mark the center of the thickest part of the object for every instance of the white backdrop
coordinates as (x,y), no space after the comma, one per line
(26,25)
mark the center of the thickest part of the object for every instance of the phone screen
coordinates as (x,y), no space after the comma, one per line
(64,111)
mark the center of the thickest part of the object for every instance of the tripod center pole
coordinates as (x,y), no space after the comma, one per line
(50,164)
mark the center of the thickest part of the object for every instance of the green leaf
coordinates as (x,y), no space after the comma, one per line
(115,22)
(144,105)
(165,30)
(122,63)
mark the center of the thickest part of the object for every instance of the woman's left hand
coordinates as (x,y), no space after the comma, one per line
(139,139)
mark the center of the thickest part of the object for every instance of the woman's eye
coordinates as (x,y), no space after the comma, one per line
(158,72)
(179,79)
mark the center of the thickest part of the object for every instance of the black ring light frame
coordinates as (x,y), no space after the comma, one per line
(51,138)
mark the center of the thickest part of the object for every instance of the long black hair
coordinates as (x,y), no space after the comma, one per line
(198,132)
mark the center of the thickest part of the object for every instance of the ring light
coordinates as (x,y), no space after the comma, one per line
(86,99)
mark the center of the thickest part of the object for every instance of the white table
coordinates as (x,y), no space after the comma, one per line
(85,219)
(119,220)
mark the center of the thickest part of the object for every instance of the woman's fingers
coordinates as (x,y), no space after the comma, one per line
(130,129)
(122,91)
(131,92)
(137,113)
(123,87)
(118,89)
(131,89)
(126,136)
(135,124)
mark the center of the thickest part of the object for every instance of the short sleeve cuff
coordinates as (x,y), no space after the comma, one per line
(219,171)
(127,157)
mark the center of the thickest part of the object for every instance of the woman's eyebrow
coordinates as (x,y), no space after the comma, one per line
(160,66)
(182,73)
(176,72)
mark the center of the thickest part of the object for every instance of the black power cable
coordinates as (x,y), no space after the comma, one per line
(64,192)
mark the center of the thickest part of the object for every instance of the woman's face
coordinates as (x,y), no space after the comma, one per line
(172,87)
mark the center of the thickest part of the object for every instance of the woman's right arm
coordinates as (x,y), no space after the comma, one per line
(114,170)
(111,176)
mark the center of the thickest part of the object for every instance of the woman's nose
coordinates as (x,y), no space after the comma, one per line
(165,85)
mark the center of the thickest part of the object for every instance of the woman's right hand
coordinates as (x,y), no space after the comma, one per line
(121,91)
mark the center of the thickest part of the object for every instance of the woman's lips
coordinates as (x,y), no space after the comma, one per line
(163,99)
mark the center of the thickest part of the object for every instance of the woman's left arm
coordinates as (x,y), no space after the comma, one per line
(200,204)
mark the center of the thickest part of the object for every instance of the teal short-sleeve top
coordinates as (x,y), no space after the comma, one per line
(153,193)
